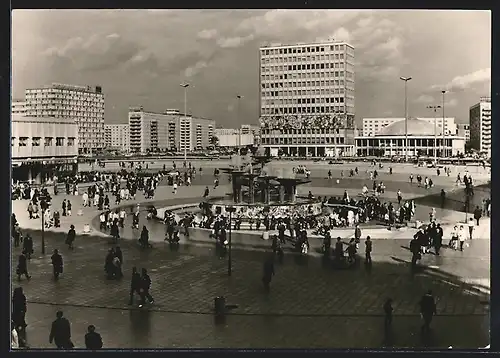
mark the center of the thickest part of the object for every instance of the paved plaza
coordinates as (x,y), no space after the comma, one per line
(310,304)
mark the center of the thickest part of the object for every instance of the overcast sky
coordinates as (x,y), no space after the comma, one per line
(141,56)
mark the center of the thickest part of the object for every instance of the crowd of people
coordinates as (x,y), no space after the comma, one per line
(293,225)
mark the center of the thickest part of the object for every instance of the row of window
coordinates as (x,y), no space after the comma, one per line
(304,101)
(304,140)
(309,66)
(315,131)
(304,49)
(309,92)
(47,141)
(303,110)
(400,142)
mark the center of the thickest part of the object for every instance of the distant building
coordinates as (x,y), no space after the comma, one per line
(84,104)
(171,130)
(480,125)
(117,137)
(422,141)
(372,126)
(18,107)
(463,130)
(234,138)
(43,146)
(301,87)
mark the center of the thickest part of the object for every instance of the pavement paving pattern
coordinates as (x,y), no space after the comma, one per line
(310,304)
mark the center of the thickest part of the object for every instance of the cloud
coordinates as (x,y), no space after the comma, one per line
(451,103)
(461,83)
(425,98)
(95,53)
(207,34)
(233,42)
(194,70)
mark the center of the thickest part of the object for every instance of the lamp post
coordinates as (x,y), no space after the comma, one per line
(238,97)
(406,79)
(185,86)
(231,209)
(435,108)
(444,140)
(43,206)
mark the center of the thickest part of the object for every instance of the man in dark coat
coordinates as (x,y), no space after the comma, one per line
(93,340)
(145,287)
(70,238)
(135,285)
(22,267)
(60,332)
(427,310)
(57,264)
(438,239)
(477,214)
(28,247)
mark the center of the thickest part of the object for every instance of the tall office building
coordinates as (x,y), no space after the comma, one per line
(171,130)
(84,104)
(480,125)
(117,137)
(372,126)
(303,87)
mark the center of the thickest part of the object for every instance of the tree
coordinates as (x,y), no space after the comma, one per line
(214,141)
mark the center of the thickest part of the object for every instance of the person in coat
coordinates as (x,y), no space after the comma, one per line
(70,237)
(427,310)
(145,287)
(19,308)
(135,285)
(60,332)
(93,340)
(22,267)
(115,232)
(28,247)
(109,267)
(144,239)
(57,264)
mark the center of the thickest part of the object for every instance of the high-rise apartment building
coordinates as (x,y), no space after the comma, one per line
(117,137)
(307,96)
(463,130)
(84,104)
(372,126)
(18,107)
(480,125)
(171,130)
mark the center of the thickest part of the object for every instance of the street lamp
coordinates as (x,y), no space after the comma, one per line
(185,86)
(435,108)
(43,206)
(238,117)
(406,79)
(230,209)
(444,141)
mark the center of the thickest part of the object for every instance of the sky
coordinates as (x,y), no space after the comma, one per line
(140,57)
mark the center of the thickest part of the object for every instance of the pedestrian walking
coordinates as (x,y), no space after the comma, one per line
(68,208)
(135,285)
(368,251)
(427,310)
(28,246)
(70,237)
(57,264)
(19,308)
(22,267)
(462,237)
(60,332)
(93,340)
(388,314)
(145,288)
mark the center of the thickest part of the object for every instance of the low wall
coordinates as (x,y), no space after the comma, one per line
(242,239)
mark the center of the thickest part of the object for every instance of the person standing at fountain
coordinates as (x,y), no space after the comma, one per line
(206,193)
